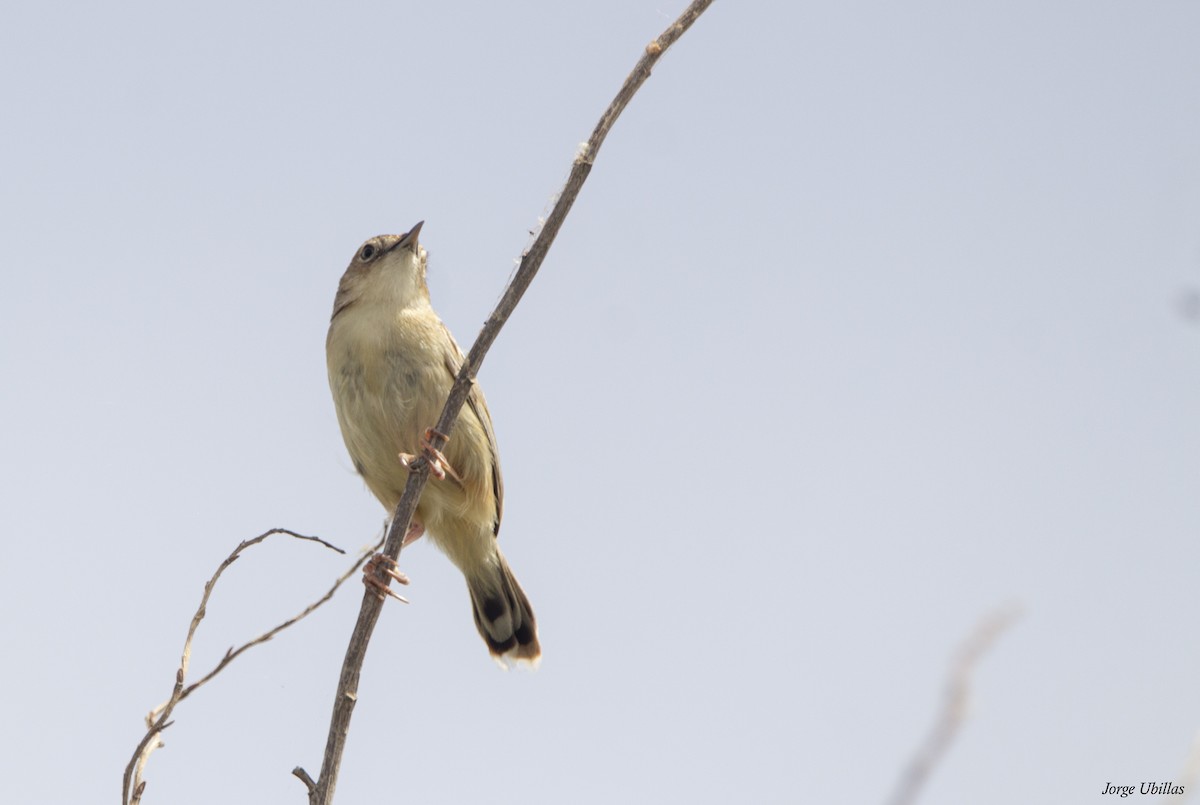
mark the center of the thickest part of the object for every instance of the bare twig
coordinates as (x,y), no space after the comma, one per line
(954,706)
(265,636)
(159,719)
(347,694)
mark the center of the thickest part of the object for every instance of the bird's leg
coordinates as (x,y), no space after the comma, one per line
(438,465)
(414,532)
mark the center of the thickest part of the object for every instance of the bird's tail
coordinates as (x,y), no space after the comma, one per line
(503,615)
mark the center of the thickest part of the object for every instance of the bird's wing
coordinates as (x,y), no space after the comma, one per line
(478,406)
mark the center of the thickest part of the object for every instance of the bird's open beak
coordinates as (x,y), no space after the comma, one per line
(409,241)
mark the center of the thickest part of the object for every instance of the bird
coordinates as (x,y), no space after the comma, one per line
(391,364)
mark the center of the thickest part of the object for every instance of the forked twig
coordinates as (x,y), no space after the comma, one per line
(159,718)
(321,791)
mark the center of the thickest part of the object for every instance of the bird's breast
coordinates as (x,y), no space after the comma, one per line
(388,382)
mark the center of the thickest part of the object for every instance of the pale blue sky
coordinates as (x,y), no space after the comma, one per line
(867,323)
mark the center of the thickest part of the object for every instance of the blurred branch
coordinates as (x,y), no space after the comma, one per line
(1189,305)
(1186,779)
(321,791)
(954,706)
(159,718)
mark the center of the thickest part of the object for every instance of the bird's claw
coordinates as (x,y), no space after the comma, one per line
(438,465)
(377,574)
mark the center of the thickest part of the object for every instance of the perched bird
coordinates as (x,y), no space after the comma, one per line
(391,364)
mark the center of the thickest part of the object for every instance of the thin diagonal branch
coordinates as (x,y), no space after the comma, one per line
(954,706)
(347,694)
(159,719)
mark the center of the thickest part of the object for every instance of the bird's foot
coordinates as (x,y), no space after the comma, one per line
(380,571)
(438,465)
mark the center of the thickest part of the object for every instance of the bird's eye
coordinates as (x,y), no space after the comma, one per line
(367,252)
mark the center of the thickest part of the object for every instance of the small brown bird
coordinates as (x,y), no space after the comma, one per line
(391,364)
